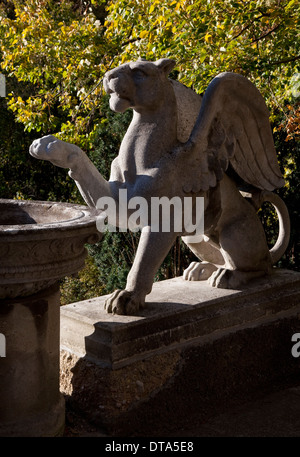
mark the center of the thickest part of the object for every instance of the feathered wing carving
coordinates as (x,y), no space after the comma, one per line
(232,127)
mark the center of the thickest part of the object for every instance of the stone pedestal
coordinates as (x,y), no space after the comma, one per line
(192,352)
(40,243)
(30,401)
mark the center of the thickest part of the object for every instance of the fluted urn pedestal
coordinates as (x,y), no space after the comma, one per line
(40,243)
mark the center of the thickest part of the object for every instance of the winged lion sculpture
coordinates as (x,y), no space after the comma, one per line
(185,145)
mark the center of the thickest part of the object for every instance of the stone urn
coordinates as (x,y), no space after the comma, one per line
(40,243)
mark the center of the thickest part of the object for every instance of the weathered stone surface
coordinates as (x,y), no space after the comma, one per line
(193,351)
(177,313)
(40,243)
(30,401)
(171,151)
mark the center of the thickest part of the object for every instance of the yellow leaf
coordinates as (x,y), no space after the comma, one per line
(207,37)
(144,33)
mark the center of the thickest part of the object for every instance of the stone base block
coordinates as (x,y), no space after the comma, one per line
(192,352)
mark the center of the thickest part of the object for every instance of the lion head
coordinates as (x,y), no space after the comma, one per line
(140,85)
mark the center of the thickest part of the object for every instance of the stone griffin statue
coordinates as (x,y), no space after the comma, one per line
(182,144)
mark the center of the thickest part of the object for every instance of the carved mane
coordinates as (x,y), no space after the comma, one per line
(188,108)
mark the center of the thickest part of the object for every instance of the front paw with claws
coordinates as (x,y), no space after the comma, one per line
(124,302)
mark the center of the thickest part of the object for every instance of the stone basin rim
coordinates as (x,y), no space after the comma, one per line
(46,246)
(71,215)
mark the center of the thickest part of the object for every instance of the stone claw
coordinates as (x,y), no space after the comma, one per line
(199,271)
(123,302)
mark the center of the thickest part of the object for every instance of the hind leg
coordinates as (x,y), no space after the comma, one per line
(210,256)
(245,251)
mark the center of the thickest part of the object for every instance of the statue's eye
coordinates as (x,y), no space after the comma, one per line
(139,74)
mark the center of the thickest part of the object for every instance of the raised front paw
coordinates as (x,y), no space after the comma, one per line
(124,302)
(56,151)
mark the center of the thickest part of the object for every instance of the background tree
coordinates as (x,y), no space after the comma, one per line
(54,55)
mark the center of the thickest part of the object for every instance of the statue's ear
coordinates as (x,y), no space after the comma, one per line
(166,65)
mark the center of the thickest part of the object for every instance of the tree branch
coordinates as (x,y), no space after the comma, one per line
(131,40)
(266,34)
(291,59)
(246,27)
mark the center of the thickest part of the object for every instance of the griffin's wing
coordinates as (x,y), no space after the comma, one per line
(232,127)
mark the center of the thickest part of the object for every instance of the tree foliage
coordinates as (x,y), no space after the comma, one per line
(259,39)
(54,55)
(62,54)
(64,51)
